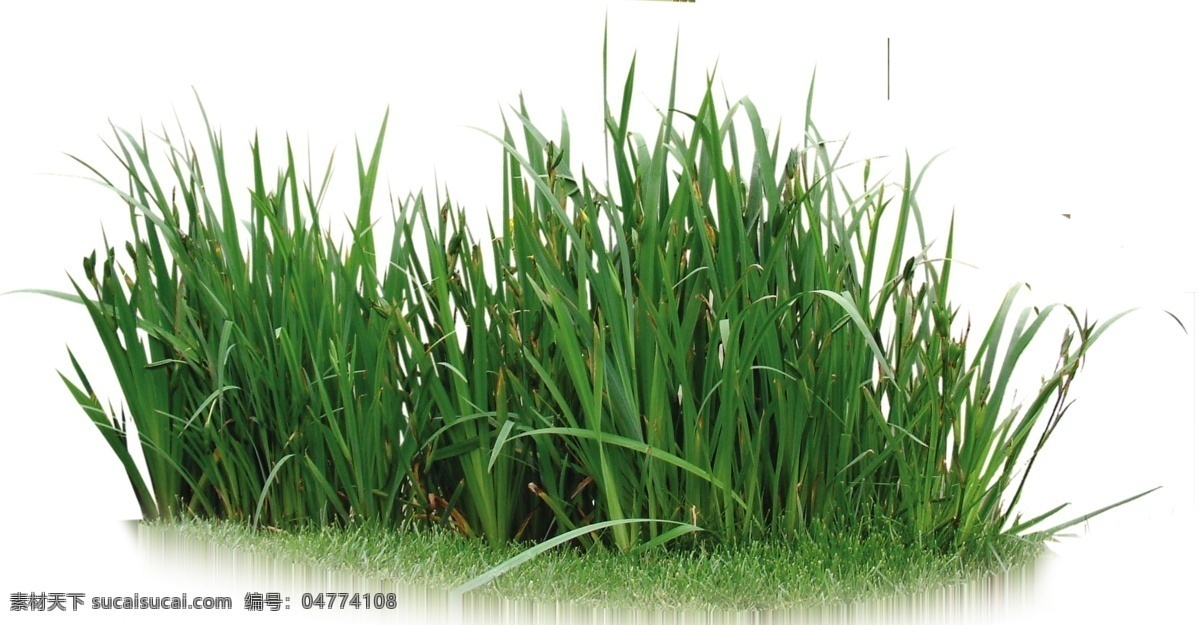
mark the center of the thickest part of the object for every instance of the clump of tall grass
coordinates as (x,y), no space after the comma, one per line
(710,342)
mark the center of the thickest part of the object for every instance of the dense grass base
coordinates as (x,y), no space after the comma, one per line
(819,569)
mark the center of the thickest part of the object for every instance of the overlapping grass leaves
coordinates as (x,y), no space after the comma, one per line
(747,347)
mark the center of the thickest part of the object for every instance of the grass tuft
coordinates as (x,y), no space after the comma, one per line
(752,347)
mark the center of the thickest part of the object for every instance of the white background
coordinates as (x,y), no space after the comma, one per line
(1043,111)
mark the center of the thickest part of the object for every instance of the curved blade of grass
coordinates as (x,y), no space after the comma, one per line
(843,300)
(609,438)
(262,497)
(1080,519)
(456,595)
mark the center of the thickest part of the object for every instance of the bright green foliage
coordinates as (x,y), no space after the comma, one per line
(715,342)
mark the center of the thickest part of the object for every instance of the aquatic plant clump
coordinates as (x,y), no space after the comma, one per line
(701,343)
